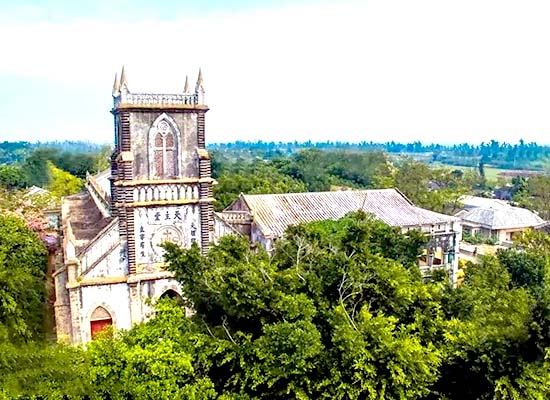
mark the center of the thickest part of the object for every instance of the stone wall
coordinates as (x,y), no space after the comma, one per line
(115,298)
(142,127)
(179,224)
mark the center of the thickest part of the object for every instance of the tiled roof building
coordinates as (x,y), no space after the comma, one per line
(496,218)
(265,217)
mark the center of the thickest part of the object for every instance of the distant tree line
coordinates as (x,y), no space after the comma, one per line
(498,154)
(15,152)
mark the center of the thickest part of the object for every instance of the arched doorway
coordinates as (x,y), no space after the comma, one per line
(173,295)
(100,319)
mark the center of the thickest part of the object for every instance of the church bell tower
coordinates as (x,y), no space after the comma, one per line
(161,184)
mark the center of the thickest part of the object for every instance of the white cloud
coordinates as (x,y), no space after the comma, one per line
(433,70)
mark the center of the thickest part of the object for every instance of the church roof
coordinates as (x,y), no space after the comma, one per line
(85,218)
(273,213)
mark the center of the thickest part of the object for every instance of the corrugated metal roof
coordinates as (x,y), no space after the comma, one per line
(503,218)
(273,213)
(476,201)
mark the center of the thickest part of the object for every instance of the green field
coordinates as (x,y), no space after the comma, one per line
(492,174)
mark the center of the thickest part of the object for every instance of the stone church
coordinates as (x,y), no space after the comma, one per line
(158,189)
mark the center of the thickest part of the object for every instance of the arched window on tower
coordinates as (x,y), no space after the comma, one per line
(164,152)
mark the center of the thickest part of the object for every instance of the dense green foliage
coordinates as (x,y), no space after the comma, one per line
(252,178)
(63,183)
(12,177)
(60,172)
(37,172)
(22,268)
(533,193)
(338,311)
(41,370)
(437,189)
(321,171)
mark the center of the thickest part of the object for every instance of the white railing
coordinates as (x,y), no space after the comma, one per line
(175,191)
(426,268)
(157,99)
(243,217)
(98,195)
(99,247)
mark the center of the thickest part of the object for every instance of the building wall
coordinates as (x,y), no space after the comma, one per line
(62,307)
(105,256)
(114,298)
(186,125)
(222,228)
(179,224)
(507,235)
(128,303)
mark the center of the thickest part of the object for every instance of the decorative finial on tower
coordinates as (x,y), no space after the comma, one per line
(199,81)
(123,81)
(199,88)
(116,86)
(186,89)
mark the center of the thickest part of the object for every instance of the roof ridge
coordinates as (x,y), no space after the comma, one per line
(322,192)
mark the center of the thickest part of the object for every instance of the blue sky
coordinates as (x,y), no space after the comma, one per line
(431,70)
(132,10)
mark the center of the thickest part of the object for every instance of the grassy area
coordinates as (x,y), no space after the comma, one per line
(492,174)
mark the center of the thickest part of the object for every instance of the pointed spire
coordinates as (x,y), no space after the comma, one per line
(116,86)
(123,81)
(199,82)
(199,89)
(186,89)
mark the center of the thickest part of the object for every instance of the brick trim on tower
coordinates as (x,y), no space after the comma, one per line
(206,209)
(124,167)
(200,131)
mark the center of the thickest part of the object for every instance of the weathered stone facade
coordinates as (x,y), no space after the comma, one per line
(159,189)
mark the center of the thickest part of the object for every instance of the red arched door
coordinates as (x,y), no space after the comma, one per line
(99,320)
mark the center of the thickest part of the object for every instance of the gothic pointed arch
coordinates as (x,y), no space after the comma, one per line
(101,317)
(164,161)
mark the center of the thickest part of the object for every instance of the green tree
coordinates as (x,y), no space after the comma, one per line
(22,268)
(255,178)
(62,183)
(539,195)
(102,160)
(489,348)
(324,170)
(36,167)
(41,370)
(437,189)
(319,319)
(12,177)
